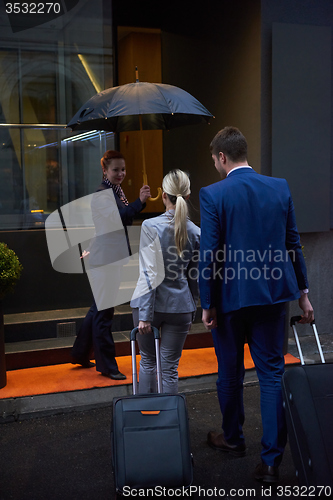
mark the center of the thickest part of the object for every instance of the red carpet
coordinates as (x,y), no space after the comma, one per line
(68,377)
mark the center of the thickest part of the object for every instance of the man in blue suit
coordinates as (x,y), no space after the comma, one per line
(251,264)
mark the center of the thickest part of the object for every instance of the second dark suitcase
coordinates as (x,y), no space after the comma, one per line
(150,436)
(308,400)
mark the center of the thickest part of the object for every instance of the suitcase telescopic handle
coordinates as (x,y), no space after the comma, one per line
(296,319)
(293,321)
(133,335)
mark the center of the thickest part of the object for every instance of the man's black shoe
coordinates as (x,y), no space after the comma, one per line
(266,473)
(218,442)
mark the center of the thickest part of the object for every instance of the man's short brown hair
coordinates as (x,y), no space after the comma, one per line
(231,142)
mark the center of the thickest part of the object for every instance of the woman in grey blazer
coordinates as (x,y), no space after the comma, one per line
(172,305)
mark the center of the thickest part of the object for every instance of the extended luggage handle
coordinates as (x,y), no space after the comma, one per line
(296,319)
(293,321)
(156,333)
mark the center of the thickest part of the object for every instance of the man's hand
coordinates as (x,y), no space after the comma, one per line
(307,309)
(144,327)
(209,318)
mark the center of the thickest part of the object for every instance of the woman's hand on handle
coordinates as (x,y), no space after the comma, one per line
(144,327)
(144,193)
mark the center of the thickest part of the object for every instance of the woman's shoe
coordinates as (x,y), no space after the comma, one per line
(85,363)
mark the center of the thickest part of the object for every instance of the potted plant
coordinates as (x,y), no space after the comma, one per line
(10,272)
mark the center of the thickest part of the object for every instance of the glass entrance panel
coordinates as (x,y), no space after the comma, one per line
(49,67)
(47,71)
(46,168)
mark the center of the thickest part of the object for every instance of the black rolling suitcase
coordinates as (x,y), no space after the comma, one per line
(150,436)
(308,400)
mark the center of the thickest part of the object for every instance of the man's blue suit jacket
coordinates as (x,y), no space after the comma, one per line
(250,251)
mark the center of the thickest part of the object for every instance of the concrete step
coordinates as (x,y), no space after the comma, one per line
(55,324)
(60,323)
(57,335)
(45,337)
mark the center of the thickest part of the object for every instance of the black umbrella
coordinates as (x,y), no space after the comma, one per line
(140,106)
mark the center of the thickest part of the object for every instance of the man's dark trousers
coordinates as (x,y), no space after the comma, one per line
(263,328)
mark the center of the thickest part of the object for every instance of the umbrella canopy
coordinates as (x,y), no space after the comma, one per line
(160,106)
(140,106)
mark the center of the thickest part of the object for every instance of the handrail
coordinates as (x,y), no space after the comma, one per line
(33,125)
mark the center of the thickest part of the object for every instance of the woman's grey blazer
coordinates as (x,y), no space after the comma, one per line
(179,291)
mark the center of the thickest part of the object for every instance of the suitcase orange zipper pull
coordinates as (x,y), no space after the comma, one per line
(152,412)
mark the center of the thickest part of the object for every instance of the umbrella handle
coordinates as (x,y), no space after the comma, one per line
(144,173)
(159,194)
(159,190)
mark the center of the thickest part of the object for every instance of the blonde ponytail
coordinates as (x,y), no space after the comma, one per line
(176,184)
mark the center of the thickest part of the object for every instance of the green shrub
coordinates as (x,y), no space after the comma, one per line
(10,270)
